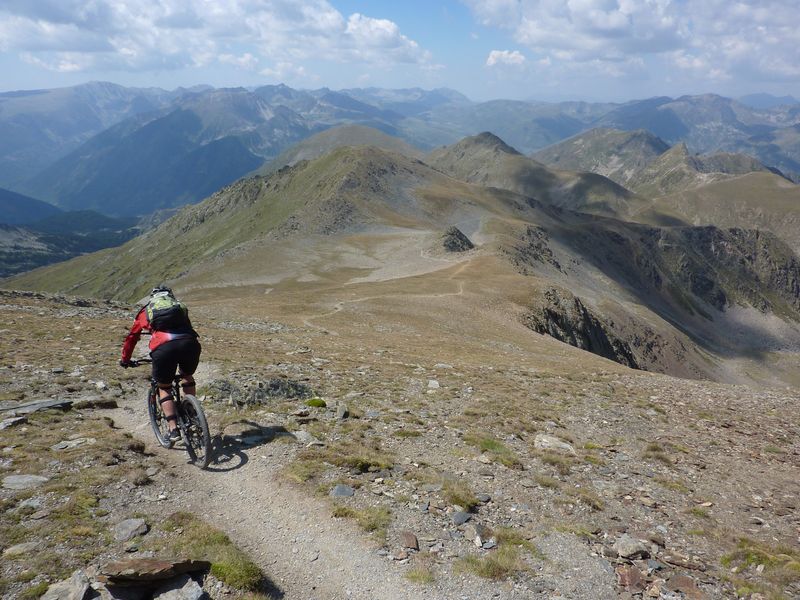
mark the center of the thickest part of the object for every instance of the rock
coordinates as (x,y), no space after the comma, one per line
(409,540)
(306,438)
(74,588)
(431,487)
(460,517)
(490,544)
(101,385)
(23,482)
(454,240)
(6,423)
(68,444)
(20,549)
(342,491)
(543,441)
(483,498)
(686,585)
(32,407)
(485,459)
(400,555)
(181,588)
(129,529)
(135,571)
(433,384)
(342,412)
(685,562)
(630,548)
(630,578)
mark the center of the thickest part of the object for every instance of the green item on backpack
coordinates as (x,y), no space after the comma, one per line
(165,313)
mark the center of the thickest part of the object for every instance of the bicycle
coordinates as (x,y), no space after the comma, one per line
(191,420)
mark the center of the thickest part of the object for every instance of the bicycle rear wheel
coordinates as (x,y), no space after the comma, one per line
(196,436)
(157,419)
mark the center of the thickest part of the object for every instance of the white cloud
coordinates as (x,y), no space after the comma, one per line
(172,34)
(505,57)
(246,61)
(718,39)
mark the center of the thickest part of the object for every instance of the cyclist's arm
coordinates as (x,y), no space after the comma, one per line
(139,324)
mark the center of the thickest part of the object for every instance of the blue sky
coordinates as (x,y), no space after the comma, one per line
(523,49)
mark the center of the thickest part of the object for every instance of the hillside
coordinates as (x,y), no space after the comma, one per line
(677,170)
(618,155)
(759,200)
(657,297)
(487,160)
(59,237)
(337,137)
(16,209)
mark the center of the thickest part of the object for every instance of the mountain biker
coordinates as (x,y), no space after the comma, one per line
(173,344)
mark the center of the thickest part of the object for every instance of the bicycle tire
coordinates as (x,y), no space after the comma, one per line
(157,419)
(195,431)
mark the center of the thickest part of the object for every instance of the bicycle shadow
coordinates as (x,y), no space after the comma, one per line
(228,450)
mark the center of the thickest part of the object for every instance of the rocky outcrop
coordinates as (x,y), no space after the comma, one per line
(532,247)
(563,316)
(454,240)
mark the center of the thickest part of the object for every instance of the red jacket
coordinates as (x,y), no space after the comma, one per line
(140,324)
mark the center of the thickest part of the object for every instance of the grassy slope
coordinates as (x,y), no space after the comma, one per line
(756,200)
(486,160)
(337,137)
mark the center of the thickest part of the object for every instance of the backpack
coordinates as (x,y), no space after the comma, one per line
(165,313)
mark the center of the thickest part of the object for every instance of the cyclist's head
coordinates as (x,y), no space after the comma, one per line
(161,290)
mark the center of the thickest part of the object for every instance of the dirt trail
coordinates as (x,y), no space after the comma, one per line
(289,535)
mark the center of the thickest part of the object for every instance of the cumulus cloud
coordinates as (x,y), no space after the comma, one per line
(505,57)
(172,34)
(713,38)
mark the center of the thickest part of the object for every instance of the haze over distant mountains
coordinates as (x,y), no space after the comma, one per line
(127,151)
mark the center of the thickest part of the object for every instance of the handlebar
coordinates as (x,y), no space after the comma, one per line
(140,361)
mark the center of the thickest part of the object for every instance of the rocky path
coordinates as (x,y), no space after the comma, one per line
(292,537)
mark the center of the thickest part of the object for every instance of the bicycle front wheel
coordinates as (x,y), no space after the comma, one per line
(157,419)
(196,436)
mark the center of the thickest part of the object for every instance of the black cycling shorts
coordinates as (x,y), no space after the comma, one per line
(182,353)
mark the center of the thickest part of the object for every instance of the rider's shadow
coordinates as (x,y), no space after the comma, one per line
(228,448)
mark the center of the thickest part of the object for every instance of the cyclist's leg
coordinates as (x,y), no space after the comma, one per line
(187,364)
(165,361)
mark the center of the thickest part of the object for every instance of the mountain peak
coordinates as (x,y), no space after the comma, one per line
(489,140)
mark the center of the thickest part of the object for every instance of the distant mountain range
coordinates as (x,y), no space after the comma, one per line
(127,151)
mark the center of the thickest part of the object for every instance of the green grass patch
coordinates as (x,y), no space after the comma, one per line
(498,564)
(407,433)
(373,519)
(316,403)
(201,541)
(496,449)
(420,574)
(456,491)
(781,566)
(35,591)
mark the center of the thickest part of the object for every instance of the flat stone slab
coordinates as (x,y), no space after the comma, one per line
(74,588)
(6,423)
(68,444)
(20,549)
(135,571)
(461,517)
(342,491)
(23,482)
(32,407)
(129,529)
(543,441)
